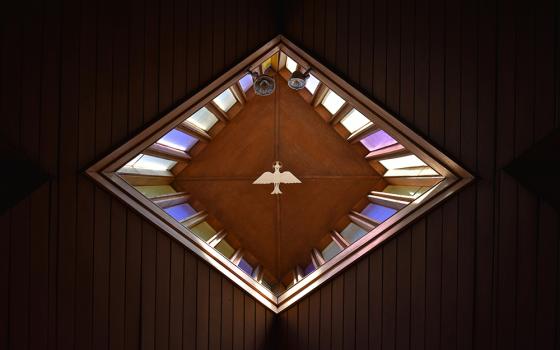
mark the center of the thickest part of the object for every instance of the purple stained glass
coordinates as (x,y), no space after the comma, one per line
(246,82)
(179,140)
(180,212)
(310,268)
(378,140)
(378,212)
(244,265)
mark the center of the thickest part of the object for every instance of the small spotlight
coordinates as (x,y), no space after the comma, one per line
(298,79)
(263,84)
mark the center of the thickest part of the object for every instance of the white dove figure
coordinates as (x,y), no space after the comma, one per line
(277,178)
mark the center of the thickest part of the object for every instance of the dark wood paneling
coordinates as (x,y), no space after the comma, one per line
(80,269)
(476,79)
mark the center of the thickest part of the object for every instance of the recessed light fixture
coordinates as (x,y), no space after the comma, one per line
(263,84)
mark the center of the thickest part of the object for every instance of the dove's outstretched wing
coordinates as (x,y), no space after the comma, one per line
(266,178)
(287,177)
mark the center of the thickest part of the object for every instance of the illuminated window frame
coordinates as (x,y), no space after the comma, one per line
(454,177)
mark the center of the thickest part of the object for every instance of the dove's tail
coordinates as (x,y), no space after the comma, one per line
(276,190)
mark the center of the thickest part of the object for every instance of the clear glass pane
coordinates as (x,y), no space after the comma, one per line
(225,100)
(352,233)
(154,191)
(291,65)
(402,162)
(330,251)
(354,121)
(203,119)
(332,102)
(312,83)
(153,163)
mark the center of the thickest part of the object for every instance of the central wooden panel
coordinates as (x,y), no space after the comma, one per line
(279,231)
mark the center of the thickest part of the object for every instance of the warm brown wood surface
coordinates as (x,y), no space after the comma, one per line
(480,80)
(78,269)
(280,234)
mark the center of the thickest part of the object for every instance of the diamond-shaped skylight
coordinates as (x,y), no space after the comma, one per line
(344,174)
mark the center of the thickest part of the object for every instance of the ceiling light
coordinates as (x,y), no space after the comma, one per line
(263,84)
(298,79)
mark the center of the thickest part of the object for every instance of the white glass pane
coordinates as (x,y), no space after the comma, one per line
(311,84)
(332,102)
(153,163)
(354,121)
(291,65)
(402,162)
(134,160)
(203,119)
(225,100)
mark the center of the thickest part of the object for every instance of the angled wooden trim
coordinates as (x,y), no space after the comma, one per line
(195,219)
(363,221)
(362,133)
(217,238)
(388,202)
(338,239)
(169,200)
(165,152)
(237,256)
(319,95)
(317,258)
(341,113)
(299,273)
(218,113)
(258,273)
(393,150)
(425,181)
(398,197)
(194,131)
(238,93)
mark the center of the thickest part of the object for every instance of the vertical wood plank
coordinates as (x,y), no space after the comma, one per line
(376,299)
(149,262)
(326,317)
(176,293)
(215,300)
(189,301)
(117,275)
(133,283)
(418,286)
(403,290)
(227,315)
(349,309)
(202,305)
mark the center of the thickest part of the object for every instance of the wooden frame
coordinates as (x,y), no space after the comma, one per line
(454,177)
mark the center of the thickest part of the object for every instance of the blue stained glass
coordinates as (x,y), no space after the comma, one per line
(178,140)
(310,268)
(246,82)
(244,265)
(180,212)
(378,212)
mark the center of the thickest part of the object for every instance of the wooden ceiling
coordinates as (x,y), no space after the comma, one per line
(279,231)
